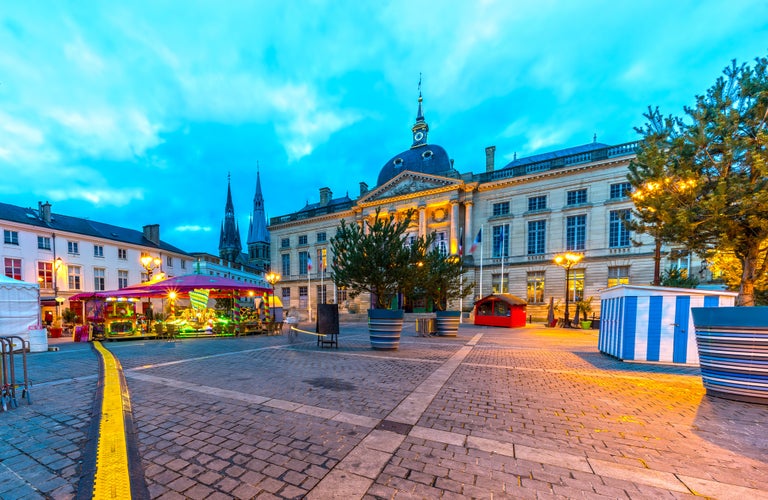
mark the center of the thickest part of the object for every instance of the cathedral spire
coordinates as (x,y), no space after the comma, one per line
(229,238)
(258,235)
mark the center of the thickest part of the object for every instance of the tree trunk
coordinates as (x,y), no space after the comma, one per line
(747,288)
(657,263)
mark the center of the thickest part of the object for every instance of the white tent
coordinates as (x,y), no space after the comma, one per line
(20,312)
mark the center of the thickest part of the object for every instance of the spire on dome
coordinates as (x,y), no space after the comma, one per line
(420,128)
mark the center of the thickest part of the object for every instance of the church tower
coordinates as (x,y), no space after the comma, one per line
(229,238)
(258,235)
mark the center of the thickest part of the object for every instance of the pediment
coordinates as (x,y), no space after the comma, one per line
(408,184)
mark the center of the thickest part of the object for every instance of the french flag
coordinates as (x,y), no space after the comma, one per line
(477,241)
(309,263)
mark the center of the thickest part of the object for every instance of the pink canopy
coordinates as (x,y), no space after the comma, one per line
(182,285)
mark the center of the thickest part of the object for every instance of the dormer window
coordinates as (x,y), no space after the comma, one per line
(398,162)
(426,155)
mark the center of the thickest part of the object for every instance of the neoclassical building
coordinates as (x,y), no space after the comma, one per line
(523,214)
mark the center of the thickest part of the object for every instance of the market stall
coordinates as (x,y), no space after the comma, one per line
(501,309)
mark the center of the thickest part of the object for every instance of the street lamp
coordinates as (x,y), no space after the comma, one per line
(57,263)
(567,261)
(150,263)
(273,279)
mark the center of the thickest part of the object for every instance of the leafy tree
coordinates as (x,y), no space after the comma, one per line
(651,177)
(373,258)
(678,278)
(717,171)
(443,279)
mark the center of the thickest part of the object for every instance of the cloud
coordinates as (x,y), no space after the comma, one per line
(193,229)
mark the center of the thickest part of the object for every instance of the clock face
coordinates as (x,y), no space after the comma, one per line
(418,136)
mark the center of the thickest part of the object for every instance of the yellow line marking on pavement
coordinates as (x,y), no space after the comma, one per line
(112,479)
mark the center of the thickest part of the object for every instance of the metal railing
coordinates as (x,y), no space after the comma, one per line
(10,346)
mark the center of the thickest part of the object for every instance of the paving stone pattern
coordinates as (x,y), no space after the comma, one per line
(493,413)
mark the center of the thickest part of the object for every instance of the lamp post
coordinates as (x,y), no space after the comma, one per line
(57,263)
(150,264)
(272,279)
(567,261)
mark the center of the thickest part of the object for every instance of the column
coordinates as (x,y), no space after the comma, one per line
(454,222)
(422,221)
(469,235)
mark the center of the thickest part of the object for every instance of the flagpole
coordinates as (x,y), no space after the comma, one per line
(481,261)
(503,235)
(309,288)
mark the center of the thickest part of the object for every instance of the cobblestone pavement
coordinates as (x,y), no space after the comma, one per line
(525,413)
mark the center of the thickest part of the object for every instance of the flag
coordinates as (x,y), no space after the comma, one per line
(309,263)
(461,242)
(477,241)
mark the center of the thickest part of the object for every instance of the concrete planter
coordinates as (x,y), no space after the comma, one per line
(733,352)
(385,327)
(448,323)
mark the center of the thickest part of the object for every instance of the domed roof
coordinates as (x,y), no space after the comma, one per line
(425,159)
(421,157)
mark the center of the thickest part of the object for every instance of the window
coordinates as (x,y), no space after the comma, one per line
(618,275)
(169,261)
(618,233)
(341,295)
(321,262)
(500,247)
(303,239)
(99,275)
(145,276)
(43,242)
(576,285)
(10,237)
(620,190)
(536,237)
(321,237)
(45,274)
(575,232)
(501,208)
(183,263)
(321,294)
(286,293)
(537,203)
(303,257)
(122,278)
(122,254)
(98,250)
(285,243)
(286,264)
(536,287)
(303,299)
(577,197)
(680,259)
(441,243)
(73,248)
(73,277)
(497,286)
(13,268)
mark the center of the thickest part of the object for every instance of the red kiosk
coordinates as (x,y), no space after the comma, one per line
(500,309)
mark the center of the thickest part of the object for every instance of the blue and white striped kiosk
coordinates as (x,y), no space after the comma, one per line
(652,323)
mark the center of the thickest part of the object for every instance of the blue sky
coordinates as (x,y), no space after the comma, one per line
(135,114)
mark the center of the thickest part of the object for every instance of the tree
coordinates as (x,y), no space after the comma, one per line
(651,177)
(678,278)
(373,258)
(717,167)
(443,279)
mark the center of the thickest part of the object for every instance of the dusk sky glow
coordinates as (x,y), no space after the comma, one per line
(135,113)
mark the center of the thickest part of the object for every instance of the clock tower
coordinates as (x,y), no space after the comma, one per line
(420,128)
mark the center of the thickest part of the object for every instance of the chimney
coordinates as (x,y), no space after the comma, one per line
(152,233)
(490,152)
(325,196)
(363,188)
(45,211)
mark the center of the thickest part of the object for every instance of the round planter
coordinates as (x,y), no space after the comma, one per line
(448,323)
(55,332)
(385,327)
(733,351)
(586,325)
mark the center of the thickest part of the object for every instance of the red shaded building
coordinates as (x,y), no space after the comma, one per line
(501,309)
